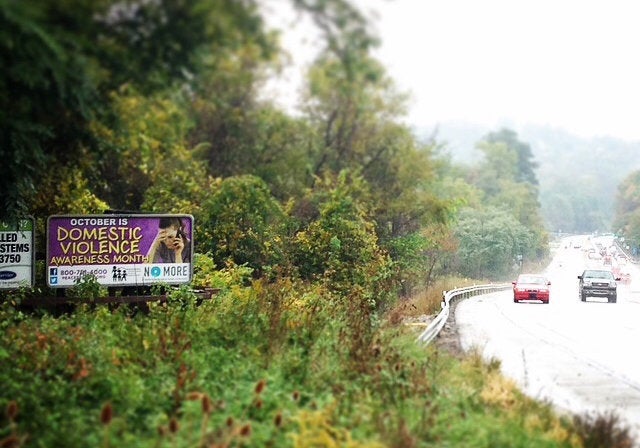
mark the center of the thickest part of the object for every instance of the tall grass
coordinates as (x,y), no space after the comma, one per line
(283,364)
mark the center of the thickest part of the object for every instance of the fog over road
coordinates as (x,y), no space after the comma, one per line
(582,356)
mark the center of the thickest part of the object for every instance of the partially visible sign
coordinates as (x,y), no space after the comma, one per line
(119,250)
(17,253)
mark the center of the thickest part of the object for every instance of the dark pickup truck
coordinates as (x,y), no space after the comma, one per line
(598,283)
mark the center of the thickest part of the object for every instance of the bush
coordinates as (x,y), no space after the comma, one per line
(245,224)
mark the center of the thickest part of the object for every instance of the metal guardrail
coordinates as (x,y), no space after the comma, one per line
(629,256)
(437,324)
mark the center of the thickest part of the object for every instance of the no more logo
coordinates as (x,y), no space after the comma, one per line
(167,271)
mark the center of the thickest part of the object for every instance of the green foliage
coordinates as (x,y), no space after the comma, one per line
(207,275)
(151,44)
(423,256)
(278,153)
(87,287)
(490,242)
(154,106)
(143,160)
(239,132)
(627,219)
(45,97)
(73,194)
(515,231)
(341,245)
(576,204)
(243,370)
(352,105)
(64,59)
(525,166)
(245,224)
(580,177)
(500,165)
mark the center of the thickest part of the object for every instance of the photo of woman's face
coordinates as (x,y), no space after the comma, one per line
(171,232)
(170,236)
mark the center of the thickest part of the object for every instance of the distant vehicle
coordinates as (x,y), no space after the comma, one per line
(598,283)
(625,278)
(593,255)
(531,287)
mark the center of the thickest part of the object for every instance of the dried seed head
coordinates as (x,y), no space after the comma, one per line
(259,403)
(193,396)
(106,414)
(230,422)
(277,420)
(162,431)
(12,410)
(260,386)
(206,404)
(173,425)
(13,441)
(295,396)
(245,431)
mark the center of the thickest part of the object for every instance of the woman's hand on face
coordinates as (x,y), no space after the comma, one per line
(177,244)
(161,236)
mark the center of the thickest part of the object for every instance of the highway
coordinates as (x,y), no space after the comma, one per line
(581,356)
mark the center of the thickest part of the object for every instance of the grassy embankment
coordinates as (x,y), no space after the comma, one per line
(259,366)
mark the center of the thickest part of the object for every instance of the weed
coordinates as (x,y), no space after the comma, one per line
(87,287)
(600,430)
(282,363)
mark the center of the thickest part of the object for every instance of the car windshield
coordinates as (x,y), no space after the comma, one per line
(532,279)
(598,274)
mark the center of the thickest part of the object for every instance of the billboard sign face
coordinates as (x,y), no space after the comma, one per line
(119,250)
(17,254)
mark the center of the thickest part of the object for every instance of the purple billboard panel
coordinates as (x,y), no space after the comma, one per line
(119,250)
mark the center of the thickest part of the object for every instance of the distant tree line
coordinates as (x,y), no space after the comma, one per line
(501,226)
(627,217)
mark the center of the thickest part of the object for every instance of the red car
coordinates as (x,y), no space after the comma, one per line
(531,287)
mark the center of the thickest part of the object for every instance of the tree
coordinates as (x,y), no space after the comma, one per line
(245,224)
(627,218)
(507,178)
(490,241)
(525,166)
(62,59)
(499,165)
(355,111)
(46,96)
(341,245)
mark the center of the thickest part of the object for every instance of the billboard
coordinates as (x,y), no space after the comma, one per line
(120,250)
(17,253)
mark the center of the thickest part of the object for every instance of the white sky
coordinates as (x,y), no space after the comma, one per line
(569,64)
